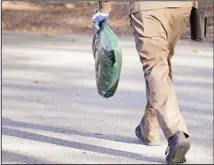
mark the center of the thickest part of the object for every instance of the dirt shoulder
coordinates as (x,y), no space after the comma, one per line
(59,18)
(50,19)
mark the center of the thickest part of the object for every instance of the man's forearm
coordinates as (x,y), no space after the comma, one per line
(104,6)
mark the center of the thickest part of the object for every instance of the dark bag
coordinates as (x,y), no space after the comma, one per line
(108,60)
(198,25)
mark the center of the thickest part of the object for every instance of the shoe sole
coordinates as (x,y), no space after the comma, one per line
(178,155)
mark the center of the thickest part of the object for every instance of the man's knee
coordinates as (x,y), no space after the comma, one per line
(158,83)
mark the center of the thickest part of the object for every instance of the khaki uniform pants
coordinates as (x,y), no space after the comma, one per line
(156,33)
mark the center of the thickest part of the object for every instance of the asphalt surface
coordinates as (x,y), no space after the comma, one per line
(52,113)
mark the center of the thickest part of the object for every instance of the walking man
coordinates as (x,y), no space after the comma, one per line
(157,26)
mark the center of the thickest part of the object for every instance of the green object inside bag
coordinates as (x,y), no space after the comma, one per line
(108,60)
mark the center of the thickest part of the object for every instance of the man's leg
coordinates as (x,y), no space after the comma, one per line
(151,36)
(176,31)
(178,144)
(149,127)
(148,131)
(152,45)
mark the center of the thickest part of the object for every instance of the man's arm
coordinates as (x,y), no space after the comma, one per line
(104,6)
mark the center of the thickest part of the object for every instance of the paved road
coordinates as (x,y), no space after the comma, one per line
(52,112)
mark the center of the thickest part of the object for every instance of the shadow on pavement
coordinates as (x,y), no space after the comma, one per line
(77,145)
(9,122)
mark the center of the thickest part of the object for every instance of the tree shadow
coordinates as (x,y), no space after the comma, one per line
(118,138)
(77,145)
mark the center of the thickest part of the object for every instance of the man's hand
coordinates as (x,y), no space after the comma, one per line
(99,17)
